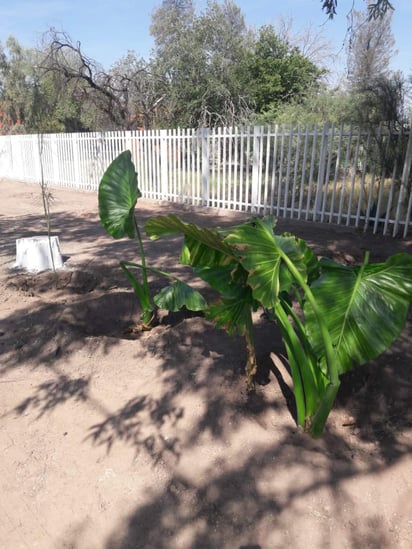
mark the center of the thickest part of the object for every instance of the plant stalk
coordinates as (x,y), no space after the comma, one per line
(147,302)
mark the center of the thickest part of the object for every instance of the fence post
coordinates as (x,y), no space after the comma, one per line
(205,166)
(163,163)
(321,172)
(257,144)
(76,161)
(38,156)
(55,158)
(404,186)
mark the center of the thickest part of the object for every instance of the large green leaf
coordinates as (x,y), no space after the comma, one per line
(223,279)
(178,295)
(118,194)
(201,247)
(233,313)
(261,253)
(364,308)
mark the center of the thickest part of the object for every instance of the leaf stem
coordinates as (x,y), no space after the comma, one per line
(332,367)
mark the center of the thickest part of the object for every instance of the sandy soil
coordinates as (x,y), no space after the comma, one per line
(115,441)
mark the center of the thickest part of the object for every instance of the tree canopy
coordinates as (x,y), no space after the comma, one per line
(207,68)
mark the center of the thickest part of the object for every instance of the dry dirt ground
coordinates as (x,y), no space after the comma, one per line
(115,441)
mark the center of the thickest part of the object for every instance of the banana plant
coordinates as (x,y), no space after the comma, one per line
(117,198)
(214,261)
(331,317)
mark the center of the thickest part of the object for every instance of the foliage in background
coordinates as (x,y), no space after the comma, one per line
(208,68)
(279,73)
(203,60)
(313,107)
(377,93)
(16,89)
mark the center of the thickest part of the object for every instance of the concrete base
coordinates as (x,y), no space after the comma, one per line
(33,254)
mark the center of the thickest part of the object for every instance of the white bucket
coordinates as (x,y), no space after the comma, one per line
(33,253)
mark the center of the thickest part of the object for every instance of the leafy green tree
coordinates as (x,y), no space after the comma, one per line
(377,93)
(16,87)
(31,100)
(370,49)
(318,106)
(203,62)
(227,41)
(170,22)
(56,107)
(175,57)
(278,72)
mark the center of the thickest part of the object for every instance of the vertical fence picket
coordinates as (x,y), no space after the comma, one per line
(260,171)
(266,178)
(312,168)
(408,215)
(205,167)
(146,156)
(163,160)
(295,174)
(381,185)
(241,167)
(354,169)
(172,169)
(362,183)
(184,166)
(223,164)
(249,171)
(336,176)
(194,169)
(326,186)
(232,168)
(235,160)
(228,162)
(389,202)
(392,185)
(374,156)
(274,167)
(302,179)
(156,152)
(320,182)
(280,173)
(149,164)
(287,180)
(212,192)
(405,178)
(257,143)
(344,177)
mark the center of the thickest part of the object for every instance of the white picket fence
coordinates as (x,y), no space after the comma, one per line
(327,174)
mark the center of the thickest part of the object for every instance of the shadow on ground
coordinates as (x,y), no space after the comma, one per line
(200,402)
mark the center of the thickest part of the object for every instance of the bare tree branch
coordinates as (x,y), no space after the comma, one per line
(127,99)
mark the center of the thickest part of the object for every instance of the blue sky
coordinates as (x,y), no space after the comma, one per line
(108,28)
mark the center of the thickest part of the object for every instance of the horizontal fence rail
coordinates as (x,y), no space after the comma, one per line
(329,174)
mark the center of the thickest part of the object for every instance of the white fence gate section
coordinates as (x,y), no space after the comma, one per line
(329,174)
